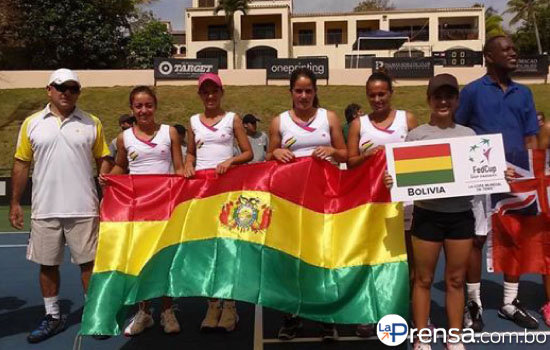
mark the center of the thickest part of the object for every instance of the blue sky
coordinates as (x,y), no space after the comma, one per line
(173,10)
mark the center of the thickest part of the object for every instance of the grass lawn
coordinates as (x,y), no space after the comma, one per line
(177,104)
(5,224)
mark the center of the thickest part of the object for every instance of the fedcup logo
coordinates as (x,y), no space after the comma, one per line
(392,330)
(165,68)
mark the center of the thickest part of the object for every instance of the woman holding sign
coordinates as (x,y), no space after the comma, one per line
(446,223)
(368,135)
(305,130)
(210,146)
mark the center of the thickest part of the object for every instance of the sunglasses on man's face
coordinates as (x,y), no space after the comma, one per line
(74,89)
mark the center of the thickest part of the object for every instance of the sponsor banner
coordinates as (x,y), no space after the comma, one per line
(282,68)
(461,166)
(532,65)
(184,69)
(405,67)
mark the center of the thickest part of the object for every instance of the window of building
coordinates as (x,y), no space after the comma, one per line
(206,3)
(263,31)
(257,57)
(334,36)
(215,53)
(218,32)
(415,33)
(452,29)
(305,37)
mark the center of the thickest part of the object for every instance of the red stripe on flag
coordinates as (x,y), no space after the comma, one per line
(314,184)
(416,152)
(521,244)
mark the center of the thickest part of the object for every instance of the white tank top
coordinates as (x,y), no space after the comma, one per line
(372,136)
(149,157)
(303,139)
(213,144)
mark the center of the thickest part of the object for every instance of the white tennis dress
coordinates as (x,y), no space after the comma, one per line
(303,139)
(149,157)
(213,144)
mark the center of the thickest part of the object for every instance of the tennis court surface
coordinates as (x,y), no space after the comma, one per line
(21,308)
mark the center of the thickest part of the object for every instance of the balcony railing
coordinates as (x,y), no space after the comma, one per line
(207,3)
(415,35)
(458,34)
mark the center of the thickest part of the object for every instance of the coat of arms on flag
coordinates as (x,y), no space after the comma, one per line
(518,243)
(304,238)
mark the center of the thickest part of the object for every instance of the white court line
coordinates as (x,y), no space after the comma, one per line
(258,328)
(315,340)
(14,232)
(13,245)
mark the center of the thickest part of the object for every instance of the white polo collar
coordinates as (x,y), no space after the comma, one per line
(77,113)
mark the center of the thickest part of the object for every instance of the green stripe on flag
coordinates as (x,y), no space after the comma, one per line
(425,178)
(232,269)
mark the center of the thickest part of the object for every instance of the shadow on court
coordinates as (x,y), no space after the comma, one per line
(21,320)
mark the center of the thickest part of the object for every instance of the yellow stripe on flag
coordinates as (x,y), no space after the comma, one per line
(422,165)
(307,235)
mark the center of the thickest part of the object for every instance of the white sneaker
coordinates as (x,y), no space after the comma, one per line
(212,316)
(473,316)
(516,313)
(141,321)
(169,321)
(455,346)
(421,346)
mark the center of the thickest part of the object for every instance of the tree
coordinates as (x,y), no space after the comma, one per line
(9,16)
(230,7)
(153,40)
(525,10)
(373,5)
(139,20)
(74,33)
(525,38)
(493,21)
(493,26)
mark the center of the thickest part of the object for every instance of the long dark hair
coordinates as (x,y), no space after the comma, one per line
(143,89)
(351,111)
(381,75)
(305,72)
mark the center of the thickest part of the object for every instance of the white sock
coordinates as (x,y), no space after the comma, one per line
(473,290)
(510,292)
(52,307)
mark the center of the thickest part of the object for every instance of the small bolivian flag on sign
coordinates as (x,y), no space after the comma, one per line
(423,165)
(304,238)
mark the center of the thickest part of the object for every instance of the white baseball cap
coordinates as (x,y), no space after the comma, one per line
(63,75)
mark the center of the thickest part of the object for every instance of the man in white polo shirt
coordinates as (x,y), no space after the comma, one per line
(64,142)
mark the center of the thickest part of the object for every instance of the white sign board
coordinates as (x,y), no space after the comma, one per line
(443,168)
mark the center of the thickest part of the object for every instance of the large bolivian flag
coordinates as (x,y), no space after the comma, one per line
(304,238)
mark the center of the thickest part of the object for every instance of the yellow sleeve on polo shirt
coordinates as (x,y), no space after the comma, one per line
(23,150)
(100,148)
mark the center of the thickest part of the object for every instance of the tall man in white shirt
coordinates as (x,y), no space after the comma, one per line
(63,141)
